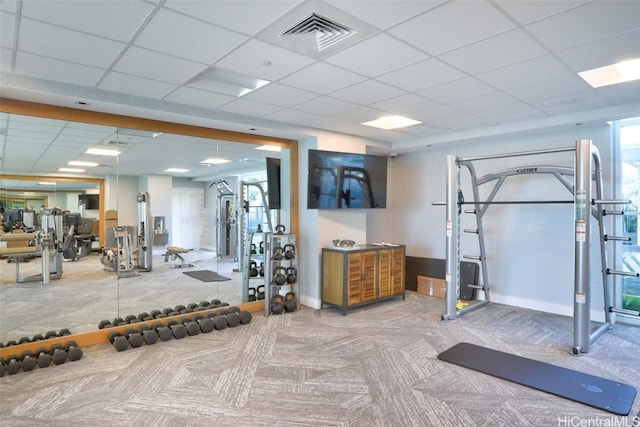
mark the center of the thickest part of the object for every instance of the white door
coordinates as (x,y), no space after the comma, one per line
(188,218)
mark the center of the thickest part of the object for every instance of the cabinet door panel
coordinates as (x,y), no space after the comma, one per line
(397,272)
(385,279)
(369,278)
(354,276)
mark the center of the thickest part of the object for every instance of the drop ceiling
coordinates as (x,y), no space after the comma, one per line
(465,69)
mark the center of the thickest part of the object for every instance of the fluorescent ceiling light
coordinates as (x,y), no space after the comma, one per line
(176,170)
(46,183)
(215,161)
(227,82)
(391,122)
(70,170)
(620,72)
(274,148)
(102,152)
(81,163)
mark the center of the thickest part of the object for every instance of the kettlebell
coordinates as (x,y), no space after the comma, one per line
(277,304)
(278,277)
(280,229)
(290,302)
(289,251)
(253,269)
(261,270)
(292,275)
(253,249)
(260,292)
(277,253)
(252,294)
(261,249)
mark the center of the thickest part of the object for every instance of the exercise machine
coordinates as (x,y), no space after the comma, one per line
(226,220)
(586,188)
(79,237)
(145,233)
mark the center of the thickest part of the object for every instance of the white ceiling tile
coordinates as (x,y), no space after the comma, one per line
(457,90)
(491,101)
(48,40)
(385,13)
(52,69)
(449,118)
(361,114)
(281,95)
(249,59)
(133,85)
(5,59)
(403,104)
(587,23)
(157,66)
(559,90)
(603,52)
(195,40)
(322,78)
(621,93)
(430,72)
(527,11)
(8,5)
(495,52)
(248,17)
(367,92)
(376,55)
(249,108)
(291,116)
(524,73)
(325,105)
(7,21)
(114,20)
(453,25)
(198,98)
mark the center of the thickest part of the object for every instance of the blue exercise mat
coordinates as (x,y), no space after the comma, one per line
(610,396)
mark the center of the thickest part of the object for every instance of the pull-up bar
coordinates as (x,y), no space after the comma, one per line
(517,154)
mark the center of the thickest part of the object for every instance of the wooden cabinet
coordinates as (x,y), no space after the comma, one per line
(352,277)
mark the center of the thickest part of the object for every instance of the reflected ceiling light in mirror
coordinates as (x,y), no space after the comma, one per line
(81,163)
(102,152)
(227,82)
(177,170)
(70,170)
(273,148)
(391,122)
(46,183)
(619,72)
(214,161)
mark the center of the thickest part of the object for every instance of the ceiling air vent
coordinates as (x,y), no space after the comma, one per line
(324,32)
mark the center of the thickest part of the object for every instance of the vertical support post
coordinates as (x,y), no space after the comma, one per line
(582,214)
(452,276)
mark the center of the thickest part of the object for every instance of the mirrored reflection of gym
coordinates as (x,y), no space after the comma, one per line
(116,237)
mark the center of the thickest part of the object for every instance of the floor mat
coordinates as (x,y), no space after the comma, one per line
(610,396)
(206,275)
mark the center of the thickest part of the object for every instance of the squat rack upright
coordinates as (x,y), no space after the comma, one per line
(587,172)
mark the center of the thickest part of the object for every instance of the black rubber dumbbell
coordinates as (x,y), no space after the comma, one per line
(206,324)
(177,329)
(50,334)
(192,305)
(64,332)
(134,338)
(219,321)
(164,332)
(154,313)
(24,340)
(204,303)
(144,316)
(118,321)
(193,328)
(104,324)
(12,364)
(148,335)
(245,317)
(58,354)
(29,361)
(44,357)
(215,303)
(119,341)
(37,337)
(74,352)
(10,343)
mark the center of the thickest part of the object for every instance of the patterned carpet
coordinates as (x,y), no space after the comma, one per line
(377,366)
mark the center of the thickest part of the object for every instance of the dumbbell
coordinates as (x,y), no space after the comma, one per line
(219,321)
(37,337)
(206,324)
(245,317)
(2,368)
(50,334)
(164,332)
(131,318)
(12,364)
(193,328)
(104,324)
(148,335)
(74,352)
(23,340)
(179,308)
(204,303)
(215,303)
(64,332)
(119,341)
(154,313)
(118,321)
(44,358)
(10,343)
(231,316)
(29,361)
(178,330)
(192,305)
(58,354)
(144,316)
(134,338)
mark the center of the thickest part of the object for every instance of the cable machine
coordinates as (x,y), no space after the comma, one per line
(226,220)
(587,190)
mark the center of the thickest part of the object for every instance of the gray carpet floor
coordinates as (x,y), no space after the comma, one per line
(377,366)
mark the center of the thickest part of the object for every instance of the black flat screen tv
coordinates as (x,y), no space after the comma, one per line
(90,201)
(346,181)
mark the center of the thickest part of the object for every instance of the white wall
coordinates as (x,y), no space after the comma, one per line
(529,247)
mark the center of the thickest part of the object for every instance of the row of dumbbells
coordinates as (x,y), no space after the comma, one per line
(28,360)
(37,337)
(159,314)
(188,326)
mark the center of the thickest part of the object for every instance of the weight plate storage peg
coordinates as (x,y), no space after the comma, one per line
(119,341)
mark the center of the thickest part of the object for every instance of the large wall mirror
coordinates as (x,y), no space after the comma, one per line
(169,186)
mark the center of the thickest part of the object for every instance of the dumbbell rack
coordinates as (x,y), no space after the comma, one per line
(248,257)
(276,246)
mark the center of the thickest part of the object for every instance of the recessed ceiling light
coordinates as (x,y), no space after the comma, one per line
(70,170)
(102,152)
(274,148)
(177,170)
(227,82)
(215,161)
(81,163)
(46,183)
(620,72)
(391,122)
